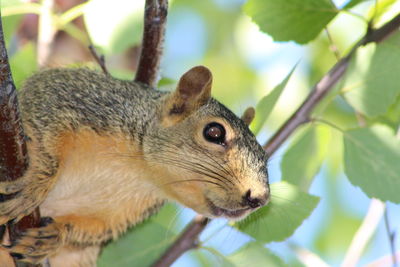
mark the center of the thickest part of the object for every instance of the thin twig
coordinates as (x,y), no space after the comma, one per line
(364,233)
(332,45)
(300,116)
(155,19)
(309,258)
(46,32)
(99,59)
(13,151)
(391,237)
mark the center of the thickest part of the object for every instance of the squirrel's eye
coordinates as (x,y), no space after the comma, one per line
(215,133)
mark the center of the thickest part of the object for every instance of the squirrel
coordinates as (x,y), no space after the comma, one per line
(105,154)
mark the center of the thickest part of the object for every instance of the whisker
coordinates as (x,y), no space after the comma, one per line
(210,156)
(203,151)
(180,165)
(190,180)
(218,165)
(206,171)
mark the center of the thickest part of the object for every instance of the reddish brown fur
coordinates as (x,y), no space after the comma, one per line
(94,221)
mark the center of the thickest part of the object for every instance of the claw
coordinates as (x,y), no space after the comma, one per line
(35,244)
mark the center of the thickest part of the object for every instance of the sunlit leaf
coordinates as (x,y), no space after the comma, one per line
(329,242)
(288,208)
(221,259)
(250,254)
(239,86)
(291,20)
(164,82)
(254,254)
(203,258)
(371,161)
(23,64)
(10,3)
(267,103)
(9,23)
(382,11)
(303,159)
(372,82)
(114,27)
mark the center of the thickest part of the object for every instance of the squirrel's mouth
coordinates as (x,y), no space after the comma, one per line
(230,214)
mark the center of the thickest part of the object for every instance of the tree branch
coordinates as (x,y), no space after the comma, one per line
(46,32)
(14,158)
(187,241)
(300,116)
(152,43)
(99,59)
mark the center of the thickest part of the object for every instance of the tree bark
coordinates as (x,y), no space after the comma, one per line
(13,151)
(155,19)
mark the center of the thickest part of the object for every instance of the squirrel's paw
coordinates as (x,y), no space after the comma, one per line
(16,208)
(36,244)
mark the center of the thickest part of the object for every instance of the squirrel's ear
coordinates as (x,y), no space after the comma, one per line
(193,91)
(195,85)
(248,115)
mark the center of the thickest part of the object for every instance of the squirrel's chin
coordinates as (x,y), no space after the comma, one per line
(218,212)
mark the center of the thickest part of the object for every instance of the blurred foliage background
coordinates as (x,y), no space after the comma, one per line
(254,48)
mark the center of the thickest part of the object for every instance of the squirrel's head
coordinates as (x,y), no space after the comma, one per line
(203,155)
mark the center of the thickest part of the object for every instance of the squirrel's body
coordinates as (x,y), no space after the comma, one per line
(104,154)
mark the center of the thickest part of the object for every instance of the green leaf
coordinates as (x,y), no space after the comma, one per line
(353,3)
(382,12)
(220,258)
(10,23)
(125,29)
(10,27)
(331,244)
(288,208)
(143,245)
(291,20)
(165,81)
(251,254)
(255,254)
(372,161)
(303,159)
(202,256)
(267,103)
(241,76)
(23,64)
(8,3)
(372,81)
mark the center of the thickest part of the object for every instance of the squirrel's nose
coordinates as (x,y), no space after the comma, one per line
(254,202)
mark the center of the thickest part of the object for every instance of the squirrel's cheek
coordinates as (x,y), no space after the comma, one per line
(189,194)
